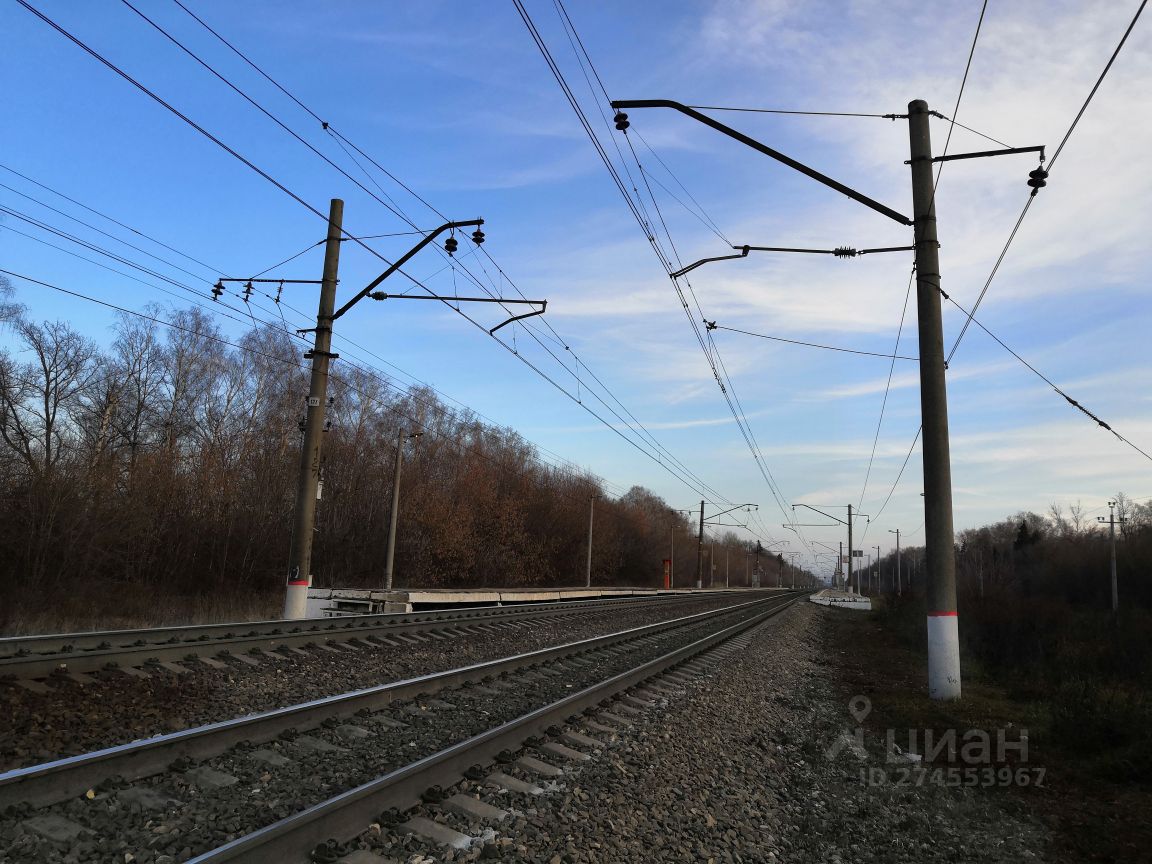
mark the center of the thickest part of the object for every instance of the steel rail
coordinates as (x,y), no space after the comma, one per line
(40,656)
(50,782)
(346,815)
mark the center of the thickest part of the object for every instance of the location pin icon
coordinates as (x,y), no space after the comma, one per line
(859,707)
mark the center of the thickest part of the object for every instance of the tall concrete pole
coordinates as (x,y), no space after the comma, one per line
(1112,538)
(712,563)
(939,535)
(852,586)
(879,573)
(700,550)
(897,533)
(400,436)
(300,559)
(591,513)
(840,565)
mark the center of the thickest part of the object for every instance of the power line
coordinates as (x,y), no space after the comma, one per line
(817,345)
(633,207)
(109,218)
(342,141)
(388,205)
(212,307)
(1051,164)
(896,483)
(703,214)
(783,111)
(887,388)
(1047,380)
(306,249)
(970,129)
(249,350)
(931,212)
(316,212)
(98,230)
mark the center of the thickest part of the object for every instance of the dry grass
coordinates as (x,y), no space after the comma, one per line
(113,606)
(1093,817)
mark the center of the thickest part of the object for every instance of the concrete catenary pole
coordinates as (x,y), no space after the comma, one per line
(939,537)
(304,524)
(591,514)
(840,564)
(1112,540)
(852,587)
(879,572)
(700,550)
(897,533)
(400,438)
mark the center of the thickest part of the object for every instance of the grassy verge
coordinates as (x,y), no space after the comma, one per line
(1095,798)
(119,606)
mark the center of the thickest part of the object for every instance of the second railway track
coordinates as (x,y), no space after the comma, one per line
(26,658)
(303,755)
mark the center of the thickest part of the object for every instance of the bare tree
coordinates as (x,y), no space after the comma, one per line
(37,397)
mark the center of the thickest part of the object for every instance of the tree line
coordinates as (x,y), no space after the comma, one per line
(1062,555)
(164,466)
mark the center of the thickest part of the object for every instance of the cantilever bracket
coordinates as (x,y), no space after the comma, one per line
(543,304)
(839,252)
(543,308)
(690,267)
(1010,151)
(766,150)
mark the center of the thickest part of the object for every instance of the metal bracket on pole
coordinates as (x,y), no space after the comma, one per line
(1009,151)
(543,304)
(839,252)
(543,308)
(404,259)
(766,150)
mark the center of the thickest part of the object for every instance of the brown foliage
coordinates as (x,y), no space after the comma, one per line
(165,468)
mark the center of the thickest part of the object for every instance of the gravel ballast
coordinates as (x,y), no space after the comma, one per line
(736,768)
(196,807)
(77,718)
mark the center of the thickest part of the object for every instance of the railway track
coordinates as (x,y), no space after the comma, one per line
(26,658)
(325,769)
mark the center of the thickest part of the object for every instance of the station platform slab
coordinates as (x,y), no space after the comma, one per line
(842,599)
(324,602)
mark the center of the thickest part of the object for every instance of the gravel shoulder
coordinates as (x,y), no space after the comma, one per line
(743,766)
(76,718)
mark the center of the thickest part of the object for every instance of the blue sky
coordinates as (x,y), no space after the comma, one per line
(456,101)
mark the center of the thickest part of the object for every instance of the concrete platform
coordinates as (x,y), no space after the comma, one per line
(832,597)
(328,602)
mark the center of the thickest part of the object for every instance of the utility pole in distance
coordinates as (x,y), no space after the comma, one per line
(401,437)
(943,629)
(591,514)
(897,533)
(852,586)
(300,560)
(1111,521)
(700,550)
